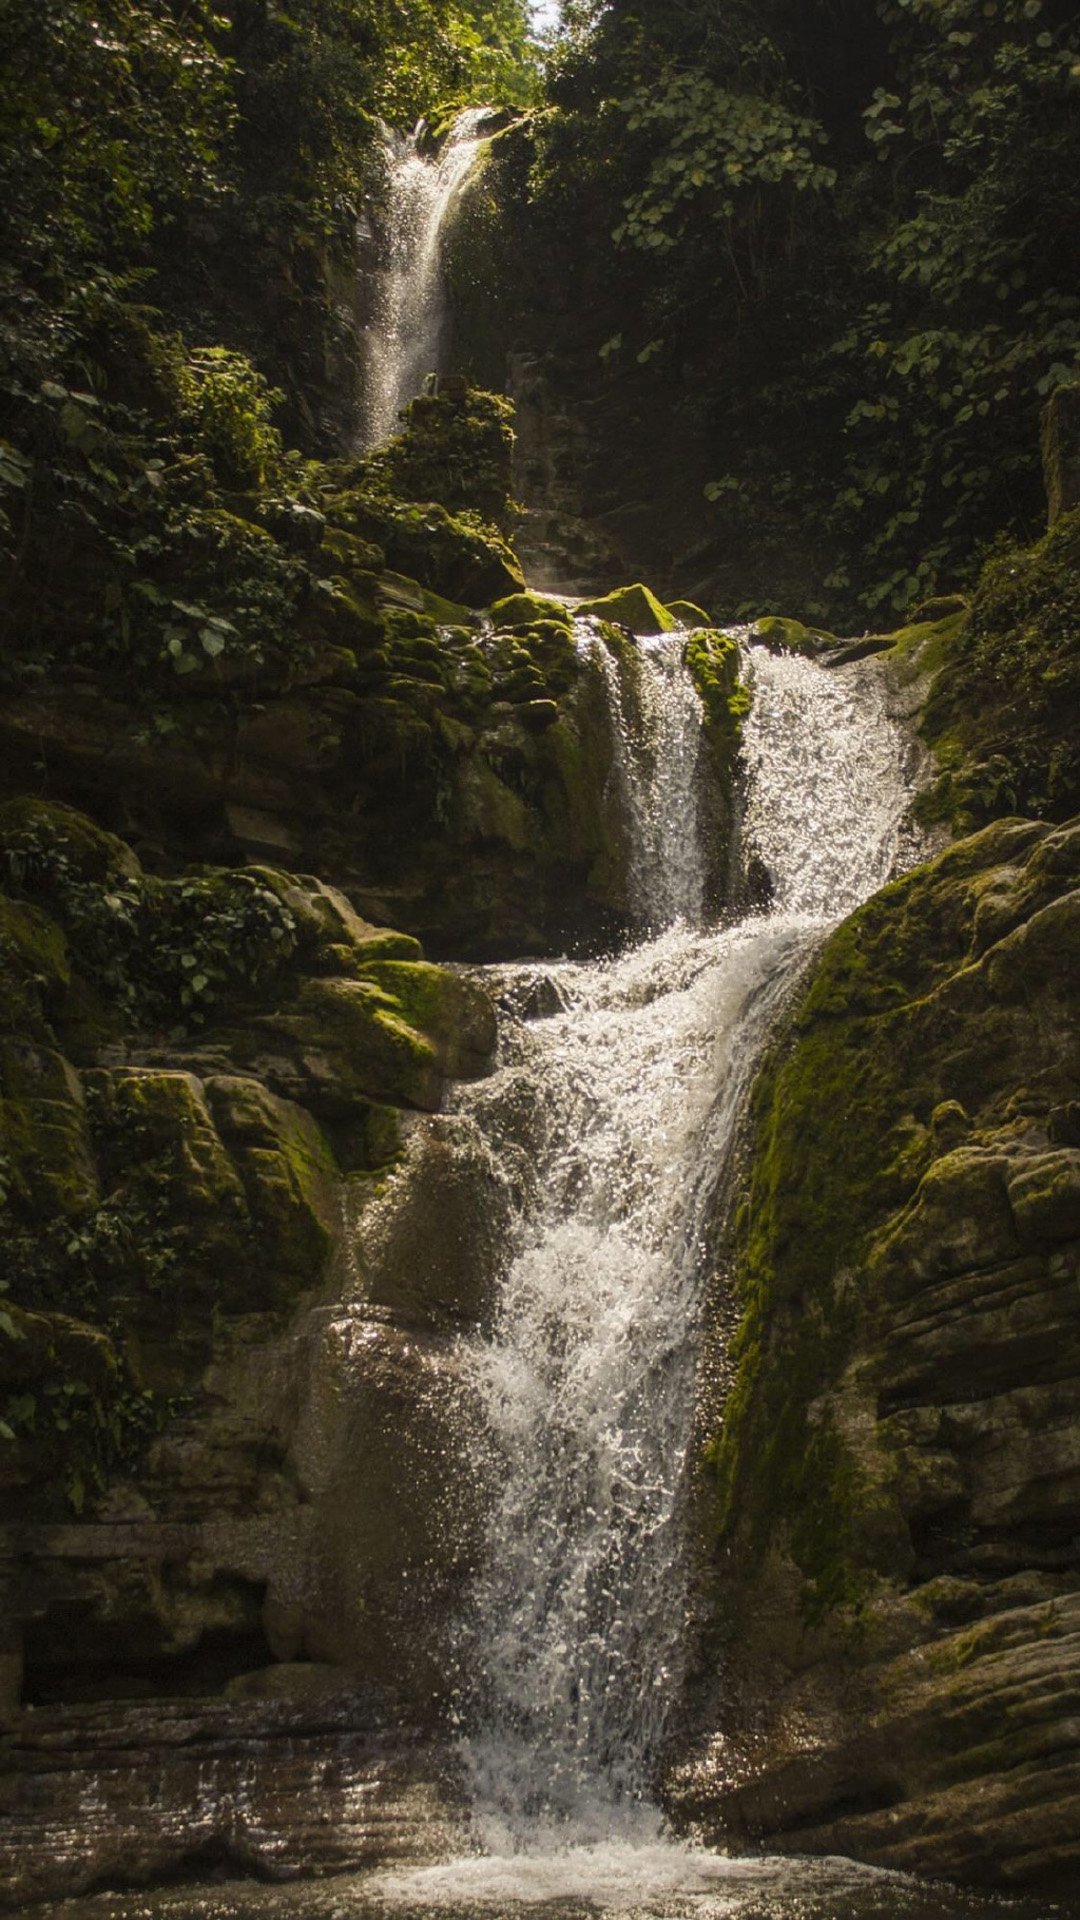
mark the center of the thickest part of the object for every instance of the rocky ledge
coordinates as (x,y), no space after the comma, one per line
(891,1491)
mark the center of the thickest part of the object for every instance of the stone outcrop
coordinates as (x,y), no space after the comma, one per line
(229,1406)
(891,1491)
(123,1796)
(453,774)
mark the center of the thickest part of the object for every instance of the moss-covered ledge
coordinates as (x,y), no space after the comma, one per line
(188,1067)
(895,1473)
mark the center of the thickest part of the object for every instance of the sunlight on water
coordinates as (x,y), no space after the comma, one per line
(404,344)
(572,1646)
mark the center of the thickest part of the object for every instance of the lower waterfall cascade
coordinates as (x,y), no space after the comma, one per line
(574,1637)
(614,1114)
(588,1380)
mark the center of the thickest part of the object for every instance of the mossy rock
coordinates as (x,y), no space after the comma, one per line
(900,1141)
(35,968)
(60,1424)
(158,1124)
(45,1150)
(396,1034)
(455,446)
(790,636)
(461,560)
(454,1010)
(1000,716)
(347,610)
(713,662)
(288,1170)
(636,607)
(37,835)
(489,810)
(47,1344)
(523,609)
(398,591)
(333,936)
(350,553)
(686,614)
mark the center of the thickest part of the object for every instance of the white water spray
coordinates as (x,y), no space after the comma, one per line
(571,1651)
(405,342)
(658,743)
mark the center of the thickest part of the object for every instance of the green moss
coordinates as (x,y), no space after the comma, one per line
(46,1162)
(490,810)
(35,970)
(636,607)
(393,1034)
(350,554)
(69,1412)
(157,1124)
(686,614)
(446,1007)
(841,1120)
(369,1140)
(523,609)
(790,636)
(40,841)
(713,661)
(455,446)
(397,590)
(1000,717)
(288,1171)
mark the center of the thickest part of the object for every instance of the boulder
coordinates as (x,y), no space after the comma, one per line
(636,607)
(890,1502)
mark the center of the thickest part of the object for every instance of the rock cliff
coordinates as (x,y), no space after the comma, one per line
(890,1484)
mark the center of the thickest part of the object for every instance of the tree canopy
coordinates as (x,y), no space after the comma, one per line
(858,225)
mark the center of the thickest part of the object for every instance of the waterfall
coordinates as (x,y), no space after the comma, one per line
(571,1650)
(659,749)
(405,340)
(617,1115)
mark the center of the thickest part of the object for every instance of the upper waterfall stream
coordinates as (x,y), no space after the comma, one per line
(404,344)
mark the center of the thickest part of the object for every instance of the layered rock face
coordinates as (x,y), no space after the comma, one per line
(893,1484)
(232,1421)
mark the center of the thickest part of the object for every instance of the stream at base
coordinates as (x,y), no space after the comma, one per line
(663,1882)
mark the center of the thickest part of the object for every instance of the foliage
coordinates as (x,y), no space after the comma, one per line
(315,79)
(713,151)
(167,953)
(1001,714)
(850,231)
(455,448)
(111,116)
(974,319)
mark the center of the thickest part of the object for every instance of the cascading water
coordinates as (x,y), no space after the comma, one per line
(405,342)
(659,754)
(615,1117)
(573,1643)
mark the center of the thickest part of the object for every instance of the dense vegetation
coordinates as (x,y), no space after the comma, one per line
(179,185)
(835,245)
(807,266)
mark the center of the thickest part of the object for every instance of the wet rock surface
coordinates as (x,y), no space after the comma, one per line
(128,1796)
(901,1486)
(232,1413)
